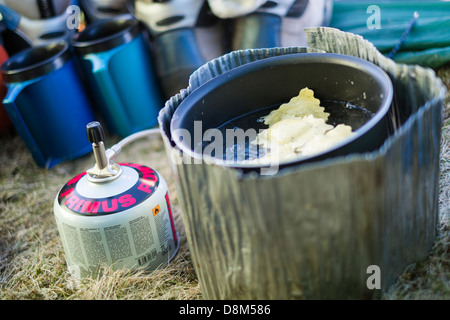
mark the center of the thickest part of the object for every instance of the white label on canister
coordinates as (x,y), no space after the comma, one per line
(141,236)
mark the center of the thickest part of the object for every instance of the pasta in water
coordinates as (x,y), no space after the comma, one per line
(298,129)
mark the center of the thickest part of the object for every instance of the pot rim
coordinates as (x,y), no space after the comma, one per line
(378,73)
(50,57)
(91,39)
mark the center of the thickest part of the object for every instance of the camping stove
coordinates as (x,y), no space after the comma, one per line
(115,215)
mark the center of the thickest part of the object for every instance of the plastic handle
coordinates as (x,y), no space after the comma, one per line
(10,17)
(106,85)
(9,102)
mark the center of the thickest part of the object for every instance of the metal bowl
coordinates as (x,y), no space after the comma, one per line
(273,81)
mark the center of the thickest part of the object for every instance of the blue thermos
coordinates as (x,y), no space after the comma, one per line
(48,103)
(116,60)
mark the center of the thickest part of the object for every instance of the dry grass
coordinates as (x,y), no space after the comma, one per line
(32,264)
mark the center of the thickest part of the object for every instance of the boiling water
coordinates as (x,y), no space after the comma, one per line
(239,151)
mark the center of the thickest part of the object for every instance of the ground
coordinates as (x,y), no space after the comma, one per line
(32,263)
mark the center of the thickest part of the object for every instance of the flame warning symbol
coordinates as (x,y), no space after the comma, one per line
(156,210)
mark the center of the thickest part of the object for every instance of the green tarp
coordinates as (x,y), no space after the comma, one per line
(428,43)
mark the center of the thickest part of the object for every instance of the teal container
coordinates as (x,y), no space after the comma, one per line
(116,60)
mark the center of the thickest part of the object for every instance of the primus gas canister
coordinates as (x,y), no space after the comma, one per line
(116,215)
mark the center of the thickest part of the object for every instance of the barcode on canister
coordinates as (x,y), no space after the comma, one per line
(147,258)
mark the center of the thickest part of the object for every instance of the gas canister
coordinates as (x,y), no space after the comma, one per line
(116,215)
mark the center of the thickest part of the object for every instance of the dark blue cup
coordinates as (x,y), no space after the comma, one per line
(47,103)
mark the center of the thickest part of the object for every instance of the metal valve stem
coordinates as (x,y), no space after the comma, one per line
(104,169)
